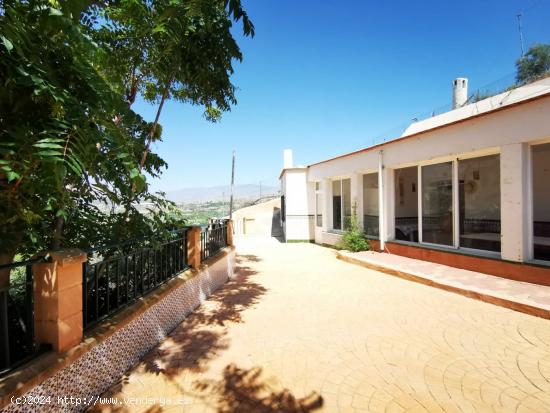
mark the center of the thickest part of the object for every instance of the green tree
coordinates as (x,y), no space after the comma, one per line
(184,51)
(534,64)
(72,164)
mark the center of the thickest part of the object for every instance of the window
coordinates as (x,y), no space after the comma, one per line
(437,203)
(541,201)
(341,203)
(318,201)
(406,204)
(479,203)
(370,204)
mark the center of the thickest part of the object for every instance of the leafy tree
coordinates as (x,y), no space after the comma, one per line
(61,153)
(184,51)
(72,163)
(534,64)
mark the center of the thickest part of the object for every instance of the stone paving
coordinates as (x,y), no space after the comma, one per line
(301,331)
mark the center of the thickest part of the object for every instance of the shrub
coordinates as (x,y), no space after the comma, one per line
(353,238)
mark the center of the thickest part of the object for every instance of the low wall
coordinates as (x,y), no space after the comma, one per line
(118,344)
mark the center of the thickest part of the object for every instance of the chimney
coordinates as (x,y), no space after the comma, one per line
(460,92)
(287,154)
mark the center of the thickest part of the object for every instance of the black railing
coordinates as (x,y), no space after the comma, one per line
(17,315)
(120,276)
(213,238)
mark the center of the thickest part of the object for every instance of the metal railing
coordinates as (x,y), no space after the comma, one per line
(121,276)
(213,238)
(17,343)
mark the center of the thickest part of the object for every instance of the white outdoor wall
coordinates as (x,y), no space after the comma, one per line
(299,204)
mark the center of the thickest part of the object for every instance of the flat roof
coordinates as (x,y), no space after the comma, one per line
(514,97)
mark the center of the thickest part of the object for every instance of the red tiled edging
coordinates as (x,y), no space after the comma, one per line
(115,346)
(502,302)
(514,271)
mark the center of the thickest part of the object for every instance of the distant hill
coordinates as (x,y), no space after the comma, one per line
(217,193)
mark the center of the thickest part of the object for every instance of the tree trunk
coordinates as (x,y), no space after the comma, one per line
(155,125)
(58,233)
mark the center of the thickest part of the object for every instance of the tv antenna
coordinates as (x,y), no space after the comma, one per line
(520,29)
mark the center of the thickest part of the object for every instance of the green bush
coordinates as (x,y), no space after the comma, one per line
(353,238)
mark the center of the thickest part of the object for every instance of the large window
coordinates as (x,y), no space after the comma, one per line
(479,203)
(318,210)
(437,203)
(370,204)
(341,203)
(406,204)
(541,201)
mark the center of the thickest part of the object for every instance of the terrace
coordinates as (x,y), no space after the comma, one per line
(297,330)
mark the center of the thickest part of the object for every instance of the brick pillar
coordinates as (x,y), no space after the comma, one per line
(230,232)
(58,300)
(194,246)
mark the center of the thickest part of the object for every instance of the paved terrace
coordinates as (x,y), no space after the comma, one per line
(300,331)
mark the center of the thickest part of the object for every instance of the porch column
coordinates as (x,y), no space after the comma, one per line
(194,247)
(386,204)
(515,209)
(357,196)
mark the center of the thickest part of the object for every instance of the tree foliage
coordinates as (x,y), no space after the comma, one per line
(70,146)
(534,64)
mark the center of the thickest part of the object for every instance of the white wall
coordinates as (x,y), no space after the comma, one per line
(299,204)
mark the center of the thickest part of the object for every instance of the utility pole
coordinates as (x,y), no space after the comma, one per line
(260,189)
(232,184)
(519,15)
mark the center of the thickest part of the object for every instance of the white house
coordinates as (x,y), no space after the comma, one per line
(468,188)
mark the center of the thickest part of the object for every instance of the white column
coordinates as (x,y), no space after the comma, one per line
(386,204)
(515,210)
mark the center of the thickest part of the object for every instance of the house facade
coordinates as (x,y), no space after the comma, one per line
(469,188)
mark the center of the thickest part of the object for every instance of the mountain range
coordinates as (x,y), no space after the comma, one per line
(219,193)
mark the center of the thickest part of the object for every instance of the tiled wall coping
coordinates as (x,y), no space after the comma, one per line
(38,370)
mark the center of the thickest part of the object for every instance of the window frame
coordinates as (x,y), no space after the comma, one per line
(455,202)
(342,212)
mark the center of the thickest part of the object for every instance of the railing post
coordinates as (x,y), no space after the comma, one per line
(194,246)
(58,300)
(229,231)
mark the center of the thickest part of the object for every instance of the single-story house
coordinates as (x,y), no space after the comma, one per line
(468,188)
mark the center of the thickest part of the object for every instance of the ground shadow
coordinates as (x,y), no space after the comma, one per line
(201,336)
(244,391)
(276,227)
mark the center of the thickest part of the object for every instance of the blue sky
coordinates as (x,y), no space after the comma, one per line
(328,77)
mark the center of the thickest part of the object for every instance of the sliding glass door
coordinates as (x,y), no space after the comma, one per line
(370,204)
(437,203)
(479,203)
(541,201)
(341,204)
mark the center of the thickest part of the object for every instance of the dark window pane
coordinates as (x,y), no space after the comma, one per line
(541,201)
(479,203)
(370,204)
(406,204)
(336,205)
(437,204)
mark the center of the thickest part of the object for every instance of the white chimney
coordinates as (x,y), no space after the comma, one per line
(287,154)
(460,92)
